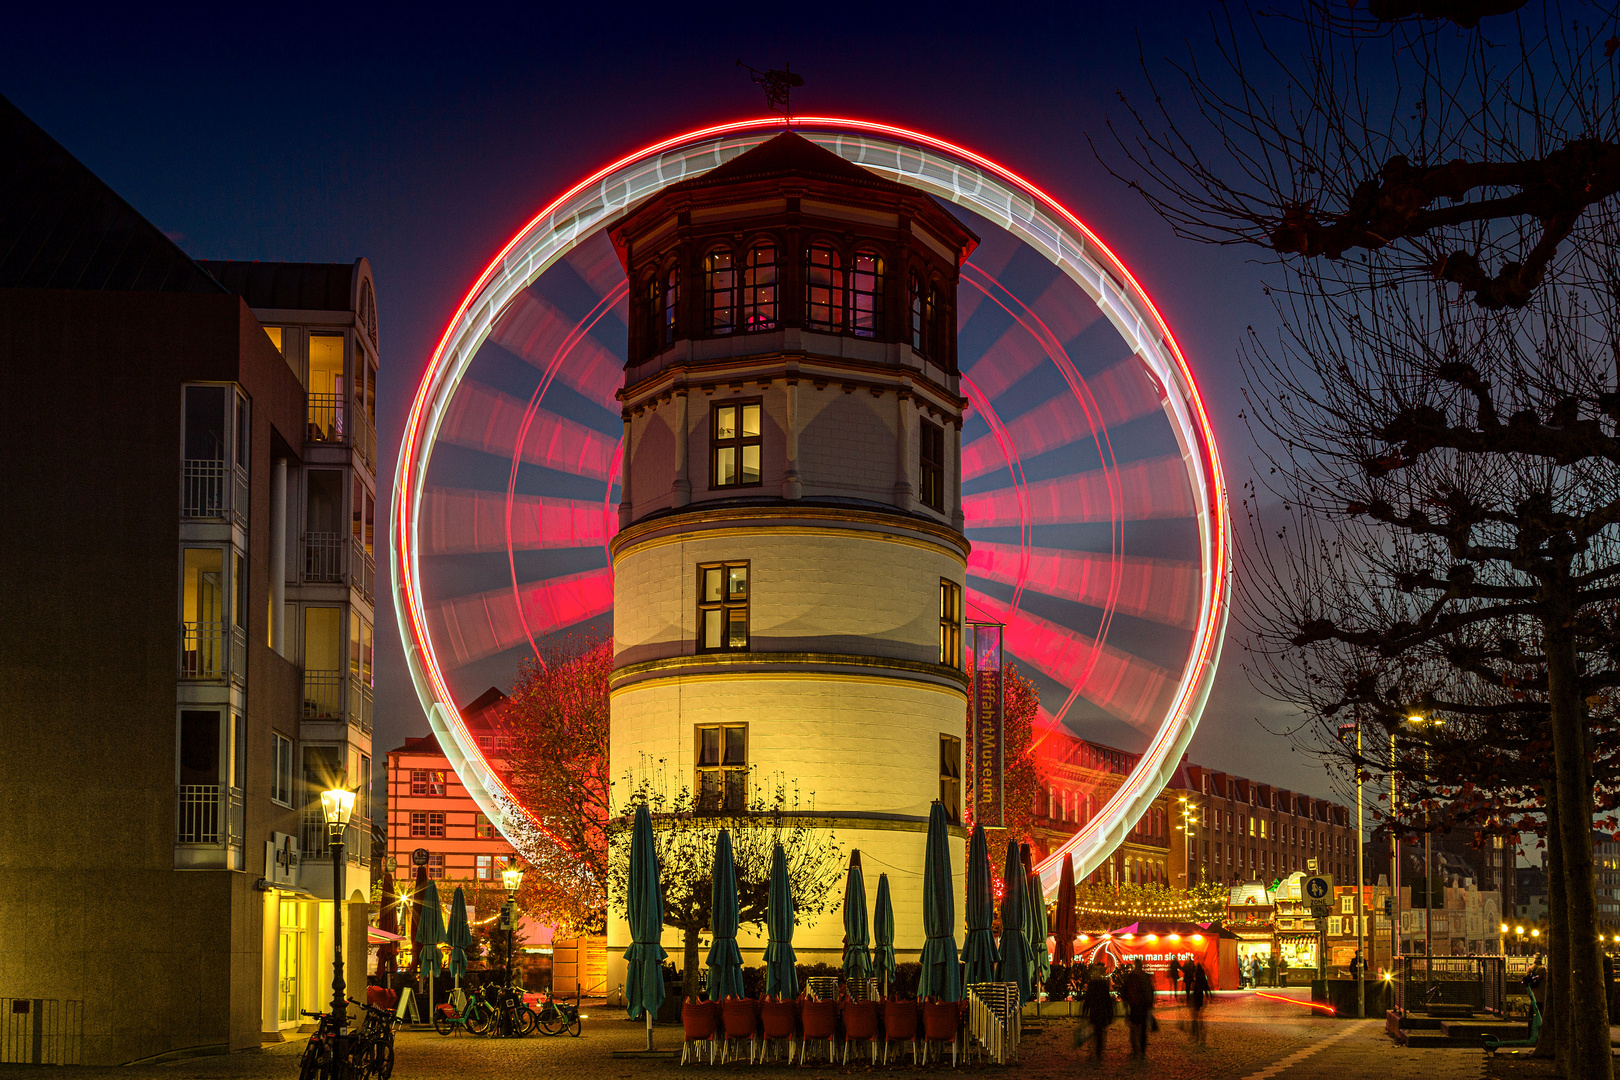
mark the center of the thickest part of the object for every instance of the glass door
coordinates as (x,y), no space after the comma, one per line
(292,947)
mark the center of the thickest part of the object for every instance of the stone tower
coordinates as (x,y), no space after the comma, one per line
(789,568)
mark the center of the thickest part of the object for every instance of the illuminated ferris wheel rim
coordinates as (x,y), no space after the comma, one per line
(947,171)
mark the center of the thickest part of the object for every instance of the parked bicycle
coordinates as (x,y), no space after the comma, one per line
(373,1047)
(554,1017)
(476,1016)
(513,1015)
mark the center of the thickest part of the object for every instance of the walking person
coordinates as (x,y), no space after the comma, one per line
(1197,998)
(1175,975)
(1138,994)
(1098,1005)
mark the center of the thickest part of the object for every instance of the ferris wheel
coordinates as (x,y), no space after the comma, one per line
(1091,485)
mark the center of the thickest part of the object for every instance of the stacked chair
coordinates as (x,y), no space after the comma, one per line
(701,1021)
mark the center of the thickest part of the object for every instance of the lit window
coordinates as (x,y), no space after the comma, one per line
(650,309)
(486,867)
(720,292)
(736,444)
(950,623)
(485,830)
(722,767)
(931,465)
(433,783)
(823,289)
(435,826)
(916,312)
(419,823)
(759,289)
(950,777)
(866,295)
(435,866)
(723,607)
(281,776)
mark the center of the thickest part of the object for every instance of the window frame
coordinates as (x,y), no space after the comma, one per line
(725,606)
(825,288)
(436,820)
(738,443)
(725,292)
(950,623)
(865,304)
(950,783)
(669,296)
(760,302)
(931,467)
(721,769)
(281,770)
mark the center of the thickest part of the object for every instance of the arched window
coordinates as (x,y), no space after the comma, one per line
(916,312)
(651,310)
(823,288)
(866,294)
(759,288)
(720,292)
(670,303)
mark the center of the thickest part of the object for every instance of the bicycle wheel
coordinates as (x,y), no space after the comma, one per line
(523,1020)
(443,1024)
(551,1021)
(383,1059)
(479,1021)
(573,1023)
(313,1062)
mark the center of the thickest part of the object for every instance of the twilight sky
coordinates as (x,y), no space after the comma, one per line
(424,143)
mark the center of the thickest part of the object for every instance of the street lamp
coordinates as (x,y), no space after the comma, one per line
(1418,720)
(512,879)
(337,805)
(1361,862)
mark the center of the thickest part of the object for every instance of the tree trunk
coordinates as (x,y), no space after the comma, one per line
(689,972)
(1554,1040)
(1590,1055)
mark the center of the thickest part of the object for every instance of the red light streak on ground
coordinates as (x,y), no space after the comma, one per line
(1295,1001)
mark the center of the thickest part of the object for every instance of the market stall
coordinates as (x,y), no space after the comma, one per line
(1156,943)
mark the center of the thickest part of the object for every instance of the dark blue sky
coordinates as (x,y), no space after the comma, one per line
(423,143)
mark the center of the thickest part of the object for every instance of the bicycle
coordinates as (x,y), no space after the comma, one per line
(514,1015)
(373,1049)
(555,1017)
(319,1060)
(477,1020)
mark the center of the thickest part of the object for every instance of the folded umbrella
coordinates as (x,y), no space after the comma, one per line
(979,948)
(883,932)
(644,959)
(941,975)
(1014,945)
(725,961)
(781,976)
(857,956)
(459,936)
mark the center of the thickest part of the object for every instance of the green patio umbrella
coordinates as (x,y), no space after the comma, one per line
(644,959)
(1035,927)
(857,957)
(941,974)
(725,961)
(428,937)
(781,977)
(883,932)
(979,948)
(458,936)
(1014,945)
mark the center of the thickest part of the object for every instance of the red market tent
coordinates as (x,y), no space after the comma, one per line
(1155,943)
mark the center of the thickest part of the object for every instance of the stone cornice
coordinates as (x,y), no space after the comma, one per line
(820,666)
(791,517)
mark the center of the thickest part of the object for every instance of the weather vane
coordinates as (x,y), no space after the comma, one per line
(778,86)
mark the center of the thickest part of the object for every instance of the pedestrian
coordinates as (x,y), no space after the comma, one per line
(1197,998)
(1356,967)
(1098,1006)
(1175,975)
(1138,994)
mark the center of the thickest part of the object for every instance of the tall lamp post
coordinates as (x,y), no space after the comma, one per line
(1417,720)
(512,878)
(1361,862)
(336,806)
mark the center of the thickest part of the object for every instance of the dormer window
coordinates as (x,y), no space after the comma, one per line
(823,289)
(759,289)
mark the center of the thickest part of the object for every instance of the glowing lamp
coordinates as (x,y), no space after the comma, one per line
(336,806)
(512,876)
(1084,939)
(1518,929)
(1199,938)
(1153,937)
(1175,937)
(1127,937)
(1535,933)
(1504,928)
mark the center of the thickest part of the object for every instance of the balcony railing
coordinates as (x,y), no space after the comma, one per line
(323,695)
(213,489)
(328,418)
(364,570)
(312,844)
(365,436)
(359,703)
(323,558)
(209,814)
(212,652)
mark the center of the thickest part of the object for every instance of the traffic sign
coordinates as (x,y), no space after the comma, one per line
(419,857)
(1318,887)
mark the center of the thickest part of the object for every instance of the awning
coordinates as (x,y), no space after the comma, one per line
(376,936)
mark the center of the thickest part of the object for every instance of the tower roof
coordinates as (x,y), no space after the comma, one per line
(789,154)
(62,227)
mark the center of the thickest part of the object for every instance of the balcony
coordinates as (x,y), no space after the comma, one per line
(336,559)
(365,437)
(360,703)
(363,568)
(312,844)
(208,826)
(211,489)
(337,696)
(212,652)
(328,419)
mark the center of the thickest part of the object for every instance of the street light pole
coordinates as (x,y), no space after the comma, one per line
(336,807)
(512,878)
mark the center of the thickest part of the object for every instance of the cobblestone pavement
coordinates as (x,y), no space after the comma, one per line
(1248,1038)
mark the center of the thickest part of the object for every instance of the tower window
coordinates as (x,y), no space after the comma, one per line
(823,289)
(950,623)
(722,767)
(759,288)
(866,295)
(670,303)
(950,777)
(931,459)
(720,292)
(723,607)
(651,310)
(916,313)
(736,442)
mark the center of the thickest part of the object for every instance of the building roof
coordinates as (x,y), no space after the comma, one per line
(62,227)
(789,155)
(289,286)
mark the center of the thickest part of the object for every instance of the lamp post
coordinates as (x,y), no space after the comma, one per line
(1361,909)
(336,806)
(512,879)
(1417,720)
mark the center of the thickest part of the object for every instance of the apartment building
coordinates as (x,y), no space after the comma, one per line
(1080,777)
(159,886)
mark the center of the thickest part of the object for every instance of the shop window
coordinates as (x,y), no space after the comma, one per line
(823,289)
(722,767)
(720,292)
(722,607)
(950,623)
(735,442)
(759,289)
(950,777)
(866,295)
(931,466)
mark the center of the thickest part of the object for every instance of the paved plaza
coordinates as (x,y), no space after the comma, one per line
(1249,1038)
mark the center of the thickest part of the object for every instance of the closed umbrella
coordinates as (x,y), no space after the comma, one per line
(458,936)
(941,976)
(979,949)
(429,936)
(413,916)
(1067,920)
(1036,928)
(725,961)
(1014,945)
(644,959)
(387,920)
(883,932)
(857,956)
(781,977)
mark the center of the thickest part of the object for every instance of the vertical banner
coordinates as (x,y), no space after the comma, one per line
(988,774)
